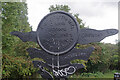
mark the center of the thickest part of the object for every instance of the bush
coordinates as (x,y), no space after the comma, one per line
(17,67)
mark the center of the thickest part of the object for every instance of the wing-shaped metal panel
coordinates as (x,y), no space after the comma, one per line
(25,36)
(91,35)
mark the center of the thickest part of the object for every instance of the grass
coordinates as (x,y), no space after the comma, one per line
(109,74)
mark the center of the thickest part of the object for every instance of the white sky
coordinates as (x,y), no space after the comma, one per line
(95,13)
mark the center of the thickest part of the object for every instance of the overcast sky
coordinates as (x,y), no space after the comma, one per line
(95,13)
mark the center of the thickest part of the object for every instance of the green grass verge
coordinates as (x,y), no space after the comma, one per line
(109,74)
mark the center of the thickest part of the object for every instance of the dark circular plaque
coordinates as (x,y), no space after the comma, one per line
(57,32)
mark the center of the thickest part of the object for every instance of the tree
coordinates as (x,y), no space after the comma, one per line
(118,44)
(14,19)
(59,7)
(16,63)
(105,57)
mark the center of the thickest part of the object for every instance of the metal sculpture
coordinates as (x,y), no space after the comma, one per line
(57,34)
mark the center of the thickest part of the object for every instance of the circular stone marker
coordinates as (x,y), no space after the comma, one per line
(57,33)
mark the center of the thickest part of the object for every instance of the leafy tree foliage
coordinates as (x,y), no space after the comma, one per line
(16,62)
(118,44)
(59,7)
(104,57)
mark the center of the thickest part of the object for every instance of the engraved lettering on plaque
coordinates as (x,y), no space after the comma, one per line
(59,31)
